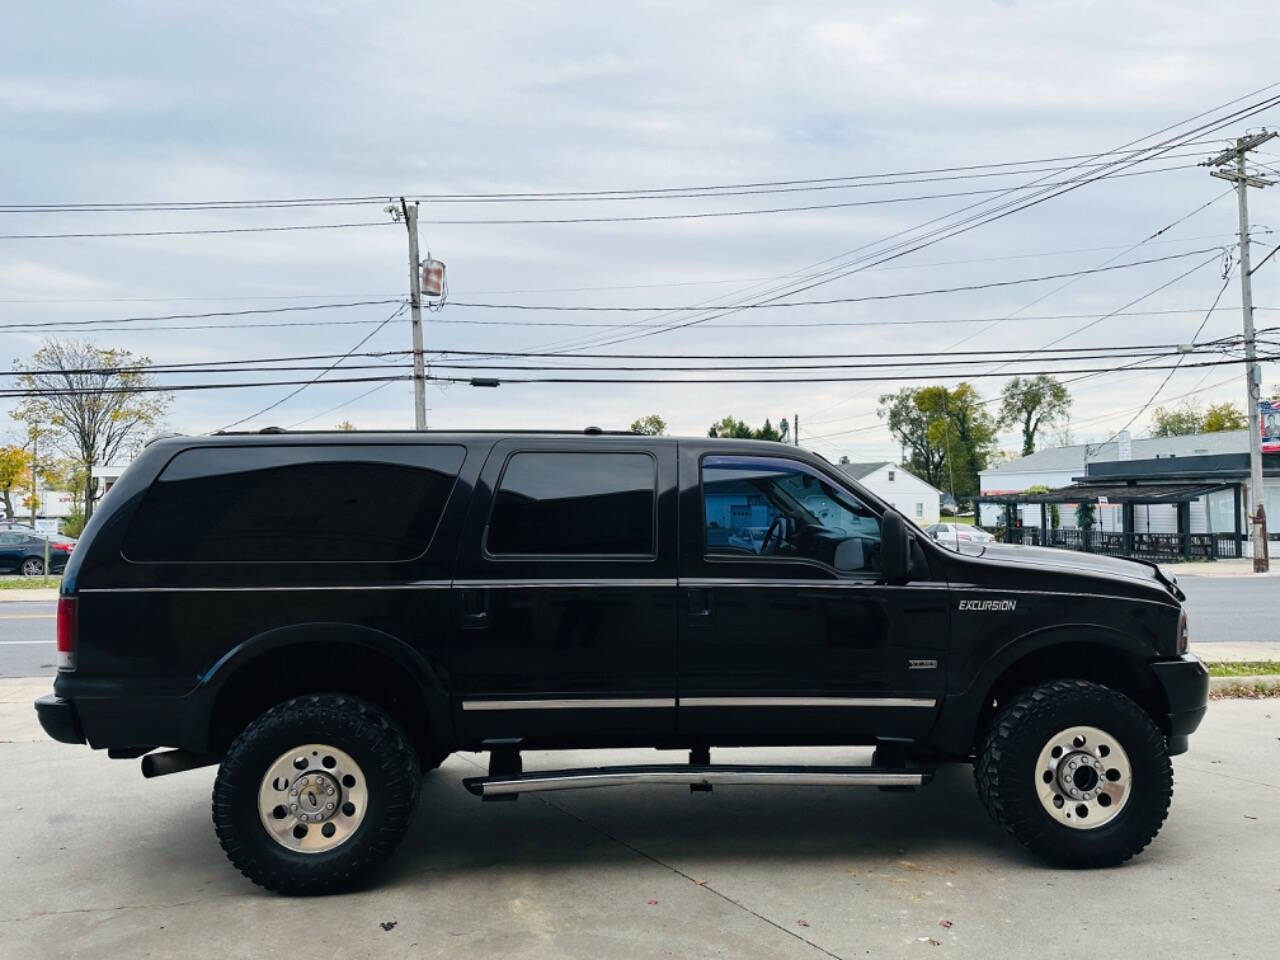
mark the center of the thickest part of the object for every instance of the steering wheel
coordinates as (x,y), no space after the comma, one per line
(775,533)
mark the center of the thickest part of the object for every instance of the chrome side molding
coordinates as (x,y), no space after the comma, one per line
(697,776)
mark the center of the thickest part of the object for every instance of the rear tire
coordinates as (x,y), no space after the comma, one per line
(33,567)
(1077,772)
(344,756)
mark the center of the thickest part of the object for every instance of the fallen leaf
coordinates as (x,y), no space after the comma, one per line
(701,883)
(803,923)
(653,903)
(945,924)
(930,941)
(387,925)
(1247,817)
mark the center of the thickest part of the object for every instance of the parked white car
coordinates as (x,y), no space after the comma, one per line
(953,534)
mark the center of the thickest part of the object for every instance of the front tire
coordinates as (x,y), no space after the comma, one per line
(1077,772)
(315,794)
(33,567)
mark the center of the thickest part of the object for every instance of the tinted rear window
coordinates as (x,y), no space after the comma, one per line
(294,504)
(562,504)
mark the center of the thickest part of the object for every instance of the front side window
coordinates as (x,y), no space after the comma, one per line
(778,508)
(575,504)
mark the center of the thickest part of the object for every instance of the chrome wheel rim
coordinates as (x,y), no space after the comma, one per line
(1083,778)
(32,568)
(313,798)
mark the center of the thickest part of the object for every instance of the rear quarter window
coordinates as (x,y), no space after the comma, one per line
(294,504)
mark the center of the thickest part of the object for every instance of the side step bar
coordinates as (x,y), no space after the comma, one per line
(695,775)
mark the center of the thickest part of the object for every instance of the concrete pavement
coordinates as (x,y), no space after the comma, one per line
(96,862)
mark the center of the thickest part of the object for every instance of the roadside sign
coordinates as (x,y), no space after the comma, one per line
(47,526)
(1269,415)
(1104,502)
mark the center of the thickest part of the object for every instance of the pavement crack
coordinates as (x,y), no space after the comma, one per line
(42,914)
(658,861)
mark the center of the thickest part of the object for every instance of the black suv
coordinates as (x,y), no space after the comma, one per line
(328,615)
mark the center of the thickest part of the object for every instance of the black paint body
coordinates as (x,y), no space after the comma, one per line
(714,651)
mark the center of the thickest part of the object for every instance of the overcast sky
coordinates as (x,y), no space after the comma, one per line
(183,101)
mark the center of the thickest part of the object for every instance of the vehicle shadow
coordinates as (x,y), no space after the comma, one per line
(941,824)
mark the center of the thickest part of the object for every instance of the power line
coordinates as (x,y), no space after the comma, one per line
(271,406)
(339,406)
(976,356)
(616,381)
(606,287)
(519,221)
(774,304)
(577,308)
(715,214)
(199,316)
(192,233)
(909,244)
(936,174)
(1226,280)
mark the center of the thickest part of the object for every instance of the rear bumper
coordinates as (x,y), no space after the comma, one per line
(59,719)
(1185,682)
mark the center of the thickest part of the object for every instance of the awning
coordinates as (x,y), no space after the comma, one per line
(1114,493)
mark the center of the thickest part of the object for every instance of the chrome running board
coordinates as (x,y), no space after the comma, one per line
(702,776)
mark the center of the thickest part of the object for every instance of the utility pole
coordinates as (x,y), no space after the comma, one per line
(796,427)
(1253,374)
(35,475)
(410,211)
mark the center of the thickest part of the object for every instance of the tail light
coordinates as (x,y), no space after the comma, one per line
(66,633)
(1184,633)
(963,536)
(61,546)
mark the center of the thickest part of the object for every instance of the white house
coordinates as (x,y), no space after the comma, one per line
(908,494)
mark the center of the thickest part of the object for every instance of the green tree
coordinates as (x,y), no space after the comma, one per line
(1224,416)
(346,426)
(1032,403)
(967,432)
(15,468)
(1085,515)
(948,434)
(909,421)
(737,429)
(650,426)
(1176,422)
(94,399)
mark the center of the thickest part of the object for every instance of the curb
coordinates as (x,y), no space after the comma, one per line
(1251,687)
(36,595)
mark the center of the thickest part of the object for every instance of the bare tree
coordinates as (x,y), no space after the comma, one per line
(96,400)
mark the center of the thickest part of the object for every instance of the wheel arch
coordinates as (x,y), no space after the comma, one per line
(1102,655)
(286,662)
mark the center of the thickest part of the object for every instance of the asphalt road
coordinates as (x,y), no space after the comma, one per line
(1222,610)
(26,639)
(1232,609)
(96,862)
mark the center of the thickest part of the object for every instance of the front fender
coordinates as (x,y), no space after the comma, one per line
(958,719)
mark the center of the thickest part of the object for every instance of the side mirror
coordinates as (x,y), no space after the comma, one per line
(895,548)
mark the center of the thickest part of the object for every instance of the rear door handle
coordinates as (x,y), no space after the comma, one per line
(699,602)
(473,608)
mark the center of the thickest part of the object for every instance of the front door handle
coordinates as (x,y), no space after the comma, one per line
(473,608)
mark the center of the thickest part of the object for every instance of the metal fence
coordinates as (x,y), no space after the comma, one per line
(1146,546)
